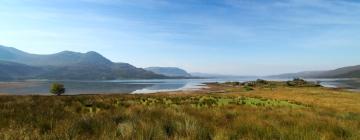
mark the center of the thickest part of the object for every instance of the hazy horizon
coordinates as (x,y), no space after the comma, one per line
(236,37)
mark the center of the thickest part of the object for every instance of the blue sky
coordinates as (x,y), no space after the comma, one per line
(242,37)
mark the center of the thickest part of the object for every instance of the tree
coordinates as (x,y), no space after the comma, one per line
(57,89)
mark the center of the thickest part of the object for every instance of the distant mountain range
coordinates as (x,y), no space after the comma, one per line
(66,65)
(169,71)
(209,75)
(345,72)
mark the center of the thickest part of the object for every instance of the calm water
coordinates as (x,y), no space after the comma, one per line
(140,86)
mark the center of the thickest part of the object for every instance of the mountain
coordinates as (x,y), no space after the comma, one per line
(15,71)
(66,65)
(59,59)
(344,72)
(208,75)
(169,71)
(305,74)
(99,72)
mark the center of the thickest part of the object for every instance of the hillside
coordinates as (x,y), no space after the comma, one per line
(344,72)
(15,71)
(169,71)
(66,65)
(64,58)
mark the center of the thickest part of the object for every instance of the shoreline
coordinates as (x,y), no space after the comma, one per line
(113,87)
(201,88)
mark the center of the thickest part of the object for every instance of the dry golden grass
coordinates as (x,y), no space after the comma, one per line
(220,112)
(339,100)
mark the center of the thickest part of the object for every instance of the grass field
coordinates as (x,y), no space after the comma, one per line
(272,110)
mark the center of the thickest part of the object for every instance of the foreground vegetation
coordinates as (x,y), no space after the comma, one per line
(253,110)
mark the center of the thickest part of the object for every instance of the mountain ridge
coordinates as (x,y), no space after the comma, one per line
(56,59)
(169,71)
(343,72)
(68,65)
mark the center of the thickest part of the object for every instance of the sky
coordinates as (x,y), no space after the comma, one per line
(237,37)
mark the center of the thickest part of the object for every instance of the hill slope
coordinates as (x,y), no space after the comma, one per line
(66,65)
(16,71)
(169,71)
(59,59)
(344,72)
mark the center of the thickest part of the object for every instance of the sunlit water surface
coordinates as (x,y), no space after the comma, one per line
(141,86)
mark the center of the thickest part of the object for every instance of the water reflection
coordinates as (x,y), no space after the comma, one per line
(42,88)
(353,84)
(140,86)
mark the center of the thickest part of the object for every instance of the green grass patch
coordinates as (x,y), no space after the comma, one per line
(214,101)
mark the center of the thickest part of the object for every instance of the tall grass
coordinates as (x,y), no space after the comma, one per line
(240,114)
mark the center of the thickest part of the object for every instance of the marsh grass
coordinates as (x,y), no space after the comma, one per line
(279,112)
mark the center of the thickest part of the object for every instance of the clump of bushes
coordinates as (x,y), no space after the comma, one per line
(248,88)
(233,83)
(257,83)
(261,81)
(249,84)
(298,82)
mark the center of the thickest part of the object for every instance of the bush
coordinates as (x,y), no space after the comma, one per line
(298,82)
(57,89)
(248,88)
(261,81)
(233,83)
(249,84)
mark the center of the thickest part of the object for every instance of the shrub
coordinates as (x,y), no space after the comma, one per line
(233,83)
(250,84)
(298,82)
(261,81)
(57,89)
(248,88)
